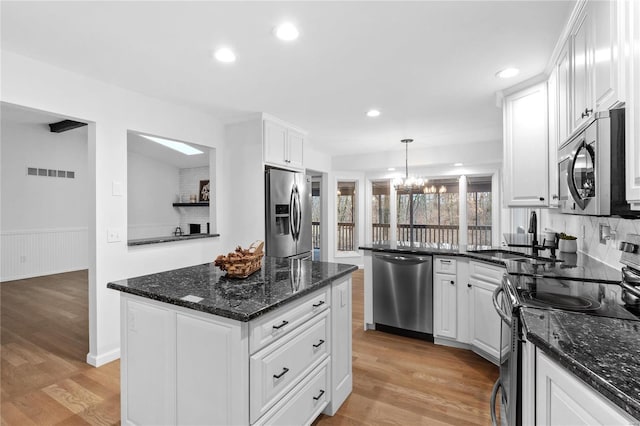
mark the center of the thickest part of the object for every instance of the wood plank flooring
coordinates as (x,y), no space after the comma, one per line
(45,380)
(44,339)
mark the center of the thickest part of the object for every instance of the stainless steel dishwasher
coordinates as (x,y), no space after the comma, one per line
(403,294)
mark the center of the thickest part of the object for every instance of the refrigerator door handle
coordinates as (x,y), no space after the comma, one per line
(292,206)
(299,214)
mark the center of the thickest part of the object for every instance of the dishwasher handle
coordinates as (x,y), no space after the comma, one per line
(410,260)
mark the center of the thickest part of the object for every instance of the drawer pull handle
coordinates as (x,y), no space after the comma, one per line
(319,395)
(445,261)
(278,327)
(284,371)
(317,345)
(320,303)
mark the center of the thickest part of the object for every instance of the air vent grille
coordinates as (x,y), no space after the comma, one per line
(37,171)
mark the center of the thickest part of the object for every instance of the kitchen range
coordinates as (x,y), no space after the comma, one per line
(534,292)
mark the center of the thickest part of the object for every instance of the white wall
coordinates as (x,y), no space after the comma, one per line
(190,185)
(44,219)
(153,186)
(112,111)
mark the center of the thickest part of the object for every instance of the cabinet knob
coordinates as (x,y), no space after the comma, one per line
(541,198)
(469,285)
(452,282)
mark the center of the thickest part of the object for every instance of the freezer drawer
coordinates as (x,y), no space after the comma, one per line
(403,292)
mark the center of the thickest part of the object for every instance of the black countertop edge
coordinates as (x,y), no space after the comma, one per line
(169,239)
(623,401)
(242,317)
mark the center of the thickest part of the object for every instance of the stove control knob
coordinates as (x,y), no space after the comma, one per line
(628,247)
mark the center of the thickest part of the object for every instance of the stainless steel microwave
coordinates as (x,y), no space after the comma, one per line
(591,169)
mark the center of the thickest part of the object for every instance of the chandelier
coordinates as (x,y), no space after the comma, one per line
(432,189)
(409,182)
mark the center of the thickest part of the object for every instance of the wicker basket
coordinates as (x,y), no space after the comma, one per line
(242,263)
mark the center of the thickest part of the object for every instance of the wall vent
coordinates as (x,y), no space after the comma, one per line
(36,171)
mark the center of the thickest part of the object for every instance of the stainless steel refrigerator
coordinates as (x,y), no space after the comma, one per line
(288,214)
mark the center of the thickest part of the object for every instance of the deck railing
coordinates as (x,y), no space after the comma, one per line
(476,234)
(345,236)
(315,234)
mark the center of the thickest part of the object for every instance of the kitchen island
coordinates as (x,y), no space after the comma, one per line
(200,348)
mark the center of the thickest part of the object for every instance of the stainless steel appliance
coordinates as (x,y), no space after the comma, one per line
(403,294)
(585,297)
(287,214)
(591,168)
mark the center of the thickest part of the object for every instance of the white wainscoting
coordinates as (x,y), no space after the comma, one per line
(35,252)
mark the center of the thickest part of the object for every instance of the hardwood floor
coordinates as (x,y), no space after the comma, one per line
(404,381)
(44,338)
(45,380)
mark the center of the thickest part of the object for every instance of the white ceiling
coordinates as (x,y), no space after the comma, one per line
(147,148)
(428,66)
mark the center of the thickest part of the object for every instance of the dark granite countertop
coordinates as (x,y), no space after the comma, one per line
(168,239)
(278,282)
(603,352)
(576,266)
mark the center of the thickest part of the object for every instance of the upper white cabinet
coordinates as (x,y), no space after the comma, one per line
(562,95)
(553,94)
(631,57)
(526,177)
(283,146)
(581,41)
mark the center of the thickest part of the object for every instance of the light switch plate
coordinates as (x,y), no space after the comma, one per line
(116,188)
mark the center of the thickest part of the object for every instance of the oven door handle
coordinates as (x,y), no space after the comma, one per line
(494,393)
(496,304)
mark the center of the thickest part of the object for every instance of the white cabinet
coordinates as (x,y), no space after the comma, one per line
(526,177)
(484,320)
(341,338)
(631,54)
(581,42)
(283,146)
(181,368)
(562,399)
(552,90)
(445,299)
(563,95)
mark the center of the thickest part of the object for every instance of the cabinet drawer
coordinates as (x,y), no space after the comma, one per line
(276,324)
(486,272)
(304,403)
(445,265)
(276,369)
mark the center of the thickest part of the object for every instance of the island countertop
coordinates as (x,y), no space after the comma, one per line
(205,287)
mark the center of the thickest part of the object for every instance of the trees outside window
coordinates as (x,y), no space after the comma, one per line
(346,216)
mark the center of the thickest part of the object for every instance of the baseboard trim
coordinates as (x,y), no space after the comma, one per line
(42,274)
(102,359)
(452,343)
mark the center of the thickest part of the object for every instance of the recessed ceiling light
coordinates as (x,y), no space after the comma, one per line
(175,145)
(373,113)
(391,169)
(508,73)
(287,32)
(457,164)
(224,54)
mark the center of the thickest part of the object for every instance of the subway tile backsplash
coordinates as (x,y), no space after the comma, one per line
(589,226)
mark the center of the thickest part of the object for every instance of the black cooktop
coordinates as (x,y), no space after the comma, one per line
(592,298)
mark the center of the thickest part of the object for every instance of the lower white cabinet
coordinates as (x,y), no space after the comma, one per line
(180,366)
(562,399)
(484,320)
(445,306)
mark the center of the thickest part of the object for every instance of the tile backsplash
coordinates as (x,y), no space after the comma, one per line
(587,229)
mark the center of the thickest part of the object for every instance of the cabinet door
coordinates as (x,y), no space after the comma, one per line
(341,362)
(605,51)
(485,322)
(211,366)
(562,399)
(445,306)
(148,364)
(296,149)
(582,106)
(526,148)
(275,143)
(554,187)
(563,68)
(632,112)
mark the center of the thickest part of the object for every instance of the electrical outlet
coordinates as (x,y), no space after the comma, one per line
(113,235)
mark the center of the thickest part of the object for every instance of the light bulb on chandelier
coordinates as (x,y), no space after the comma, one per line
(409,182)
